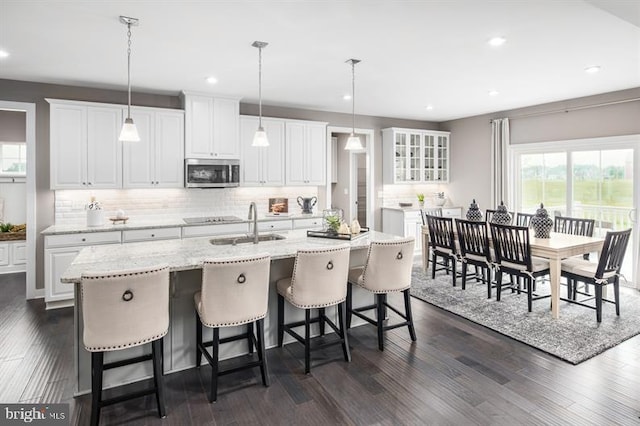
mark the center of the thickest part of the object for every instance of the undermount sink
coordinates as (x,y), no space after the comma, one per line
(226,241)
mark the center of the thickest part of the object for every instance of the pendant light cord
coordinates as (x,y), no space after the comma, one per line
(353,98)
(129,70)
(260,86)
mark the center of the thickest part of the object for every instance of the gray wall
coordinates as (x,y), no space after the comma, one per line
(13,126)
(471,137)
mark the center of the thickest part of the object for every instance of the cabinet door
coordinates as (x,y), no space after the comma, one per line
(198,127)
(413,228)
(251,159)
(316,154)
(226,115)
(169,150)
(19,253)
(401,144)
(56,261)
(4,254)
(442,150)
(104,151)
(137,161)
(414,159)
(294,154)
(429,153)
(273,155)
(68,150)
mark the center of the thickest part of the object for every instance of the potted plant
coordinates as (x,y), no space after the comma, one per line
(333,223)
(420,200)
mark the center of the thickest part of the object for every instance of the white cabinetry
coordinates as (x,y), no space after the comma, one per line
(415,156)
(314,222)
(262,166)
(207,230)
(275,225)
(84,149)
(135,235)
(305,153)
(211,126)
(13,256)
(408,223)
(60,250)
(157,161)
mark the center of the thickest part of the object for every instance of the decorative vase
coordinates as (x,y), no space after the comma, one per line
(501,216)
(474,213)
(421,204)
(542,223)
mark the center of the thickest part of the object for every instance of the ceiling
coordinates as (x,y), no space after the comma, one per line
(414,53)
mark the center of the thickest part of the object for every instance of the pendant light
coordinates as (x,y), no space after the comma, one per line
(354,141)
(129,132)
(260,138)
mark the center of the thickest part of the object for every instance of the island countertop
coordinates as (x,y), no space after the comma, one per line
(189,254)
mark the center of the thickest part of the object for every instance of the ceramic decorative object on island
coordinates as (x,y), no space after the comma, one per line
(542,223)
(501,216)
(474,213)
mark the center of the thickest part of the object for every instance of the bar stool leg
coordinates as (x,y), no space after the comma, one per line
(250,337)
(97,361)
(280,320)
(198,340)
(380,298)
(408,313)
(343,330)
(307,341)
(349,303)
(321,316)
(214,365)
(158,382)
(264,370)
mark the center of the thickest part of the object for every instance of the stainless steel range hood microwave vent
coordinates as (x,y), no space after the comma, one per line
(210,173)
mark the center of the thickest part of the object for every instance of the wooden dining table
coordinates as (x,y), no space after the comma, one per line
(557,247)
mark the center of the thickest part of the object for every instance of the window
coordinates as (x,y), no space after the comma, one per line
(13,158)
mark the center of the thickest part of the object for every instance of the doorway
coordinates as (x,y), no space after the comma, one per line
(350,185)
(30,137)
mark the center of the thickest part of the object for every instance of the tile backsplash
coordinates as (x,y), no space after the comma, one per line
(142,204)
(394,194)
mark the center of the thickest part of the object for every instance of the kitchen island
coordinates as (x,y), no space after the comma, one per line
(185,258)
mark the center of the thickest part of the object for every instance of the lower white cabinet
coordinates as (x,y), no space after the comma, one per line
(59,252)
(13,256)
(312,222)
(135,235)
(408,223)
(207,230)
(275,225)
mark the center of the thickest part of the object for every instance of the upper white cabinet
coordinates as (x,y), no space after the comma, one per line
(262,166)
(305,153)
(84,147)
(415,156)
(157,161)
(211,126)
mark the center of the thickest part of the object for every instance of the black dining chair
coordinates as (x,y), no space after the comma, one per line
(512,250)
(606,271)
(443,245)
(434,211)
(473,240)
(524,219)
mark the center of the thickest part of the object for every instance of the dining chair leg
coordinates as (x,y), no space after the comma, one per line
(380,322)
(349,307)
(464,274)
(409,314)
(280,320)
(598,290)
(453,270)
(321,317)
(529,282)
(488,283)
(616,295)
(433,265)
(498,285)
(262,356)
(343,330)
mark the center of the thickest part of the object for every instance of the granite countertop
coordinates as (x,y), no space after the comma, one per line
(157,222)
(188,254)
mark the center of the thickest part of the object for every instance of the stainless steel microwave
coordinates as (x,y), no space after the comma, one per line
(205,173)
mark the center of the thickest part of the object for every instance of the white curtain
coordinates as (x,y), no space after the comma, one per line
(500,140)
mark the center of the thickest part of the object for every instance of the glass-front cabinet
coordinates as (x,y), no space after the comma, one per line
(415,156)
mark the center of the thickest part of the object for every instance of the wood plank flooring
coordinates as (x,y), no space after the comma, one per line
(457,373)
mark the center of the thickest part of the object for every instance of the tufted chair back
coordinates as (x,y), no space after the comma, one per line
(388,266)
(320,277)
(234,291)
(125,308)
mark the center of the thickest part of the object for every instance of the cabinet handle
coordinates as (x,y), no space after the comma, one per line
(84,239)
(153,235)
(88,183)
(84,183)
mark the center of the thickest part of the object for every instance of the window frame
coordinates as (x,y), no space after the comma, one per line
(4,174)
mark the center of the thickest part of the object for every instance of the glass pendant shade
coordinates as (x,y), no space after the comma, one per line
(353,143)
(260,138)
(129,132)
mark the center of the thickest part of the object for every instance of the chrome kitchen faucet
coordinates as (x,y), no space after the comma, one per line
(252,208)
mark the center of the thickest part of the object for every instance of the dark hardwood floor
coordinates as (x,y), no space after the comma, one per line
(457,373)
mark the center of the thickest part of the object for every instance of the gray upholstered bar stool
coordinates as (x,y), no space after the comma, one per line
(319,280)
(388,269)
(234,292)
(120,310)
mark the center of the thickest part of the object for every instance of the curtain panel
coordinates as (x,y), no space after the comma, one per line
(500,141)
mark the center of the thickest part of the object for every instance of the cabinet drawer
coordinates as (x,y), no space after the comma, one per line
(315,222)
(275,225)
(150,234)
(207,230)
(83,239)
(455,212)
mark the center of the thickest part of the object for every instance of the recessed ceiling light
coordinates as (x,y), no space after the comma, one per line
(592,69)
(347,97)
(3,54)
(429,107)
(497,41)
(211,80)
(493,93)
